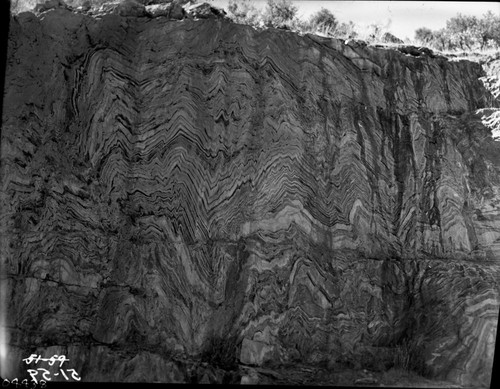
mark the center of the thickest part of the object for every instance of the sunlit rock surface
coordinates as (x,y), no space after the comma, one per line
(491,115)
(170,183)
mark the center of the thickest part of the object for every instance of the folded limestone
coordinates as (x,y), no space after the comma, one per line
(318,199)
(254,352)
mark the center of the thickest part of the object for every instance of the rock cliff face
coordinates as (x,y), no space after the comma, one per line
(172,188)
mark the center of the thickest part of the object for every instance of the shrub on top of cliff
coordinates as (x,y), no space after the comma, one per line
(462,29)
(468,32)
(280,14)
(441,40)
(324,17)
(244,12)
(490,29)
(464,32)
(346,31)
(424,35)
(221,352)
(323,22)
(375,33)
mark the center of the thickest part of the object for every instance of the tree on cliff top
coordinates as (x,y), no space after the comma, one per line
(244,12)
(279,14)
(324,17)
(324,21)
(464,32)
(489,29)
(424,35)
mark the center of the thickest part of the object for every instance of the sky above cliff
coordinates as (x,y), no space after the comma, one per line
(402,17)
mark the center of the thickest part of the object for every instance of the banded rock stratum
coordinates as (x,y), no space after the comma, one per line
(174,186)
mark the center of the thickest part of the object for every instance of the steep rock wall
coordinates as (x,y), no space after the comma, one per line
(168,183)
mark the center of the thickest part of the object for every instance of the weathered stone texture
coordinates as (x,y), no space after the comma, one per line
(167,182)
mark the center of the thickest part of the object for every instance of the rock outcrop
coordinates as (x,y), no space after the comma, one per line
(168,185)
(491,115)
(389,38)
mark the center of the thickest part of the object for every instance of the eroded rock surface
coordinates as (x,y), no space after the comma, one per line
(166,183)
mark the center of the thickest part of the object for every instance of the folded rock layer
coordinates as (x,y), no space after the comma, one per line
(168,186)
